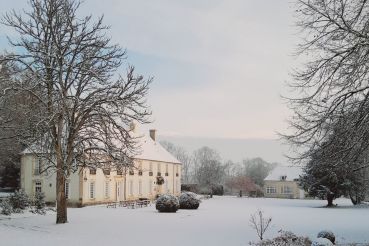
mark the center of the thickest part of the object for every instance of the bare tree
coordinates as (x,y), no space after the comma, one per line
(334,79)
(260,223)
(182,155)
(71,69)
(208,168)
(332,85)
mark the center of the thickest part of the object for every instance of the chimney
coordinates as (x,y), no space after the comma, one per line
(153,134)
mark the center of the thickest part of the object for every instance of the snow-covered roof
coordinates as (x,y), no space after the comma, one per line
(152,150)
(148,149)
(291,173)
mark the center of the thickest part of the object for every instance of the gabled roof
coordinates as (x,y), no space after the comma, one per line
(291,173)
(148,149)
(152,150)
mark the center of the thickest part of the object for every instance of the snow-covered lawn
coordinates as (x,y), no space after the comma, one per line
(219,221)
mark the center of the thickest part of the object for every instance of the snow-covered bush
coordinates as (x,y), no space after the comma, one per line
(6,207)
(322,242)
(286,238)
(188,200)
(167,203)
(39,203)
(19,201)
(328,235)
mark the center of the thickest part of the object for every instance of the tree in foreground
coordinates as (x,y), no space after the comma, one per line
(70,70)
(334,169)
(332,85)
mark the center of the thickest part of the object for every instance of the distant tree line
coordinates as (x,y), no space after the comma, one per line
(205,168)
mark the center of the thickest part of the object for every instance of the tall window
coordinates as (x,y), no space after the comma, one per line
(166,168)
(107,189)
(38,165)
(92,190)
(67,190)
(38,186)
(140,187)
(166,186)
(159,167)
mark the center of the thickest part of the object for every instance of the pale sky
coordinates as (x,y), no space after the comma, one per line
(220,66)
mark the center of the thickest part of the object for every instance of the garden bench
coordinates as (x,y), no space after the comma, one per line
(111,205)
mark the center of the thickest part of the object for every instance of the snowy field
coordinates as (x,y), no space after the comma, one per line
(219,221)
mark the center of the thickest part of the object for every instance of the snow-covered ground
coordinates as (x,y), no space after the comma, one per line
(218,221)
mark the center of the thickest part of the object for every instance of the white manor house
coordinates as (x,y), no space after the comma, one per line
(94,186)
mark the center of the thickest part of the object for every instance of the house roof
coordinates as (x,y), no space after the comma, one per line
(291,173)
(148,149)
(152,150)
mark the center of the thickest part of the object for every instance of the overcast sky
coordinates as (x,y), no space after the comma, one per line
(220,66)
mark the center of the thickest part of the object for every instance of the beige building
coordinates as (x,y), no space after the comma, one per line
(94,186)
(282,182)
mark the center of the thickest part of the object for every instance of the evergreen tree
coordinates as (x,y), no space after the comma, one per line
(39,204)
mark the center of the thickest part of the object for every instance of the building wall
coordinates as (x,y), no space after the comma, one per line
(280,190)
(30,177)
(107,188)
(131,187)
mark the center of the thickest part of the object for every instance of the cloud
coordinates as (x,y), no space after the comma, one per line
(219,65)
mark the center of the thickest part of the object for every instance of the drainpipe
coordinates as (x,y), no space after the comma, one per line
(173,178)
(125,184)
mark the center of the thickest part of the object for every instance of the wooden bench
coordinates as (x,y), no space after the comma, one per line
(111,205)
(143,203)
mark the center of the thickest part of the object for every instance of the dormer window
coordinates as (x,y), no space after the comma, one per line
(92,171)
(106,171)
(283,178)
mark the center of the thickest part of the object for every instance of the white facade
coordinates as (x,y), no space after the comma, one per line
(94,186)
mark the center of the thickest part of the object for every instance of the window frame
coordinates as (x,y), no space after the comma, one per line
(38,185)
(271,190)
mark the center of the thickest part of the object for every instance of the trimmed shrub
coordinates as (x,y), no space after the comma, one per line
(188,200)
(39,204)
(322,242)
(6,207)
(167,203)
(19,201)
(328,235)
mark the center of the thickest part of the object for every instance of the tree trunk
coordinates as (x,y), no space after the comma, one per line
(353,200)
(330,198)
(61,202)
